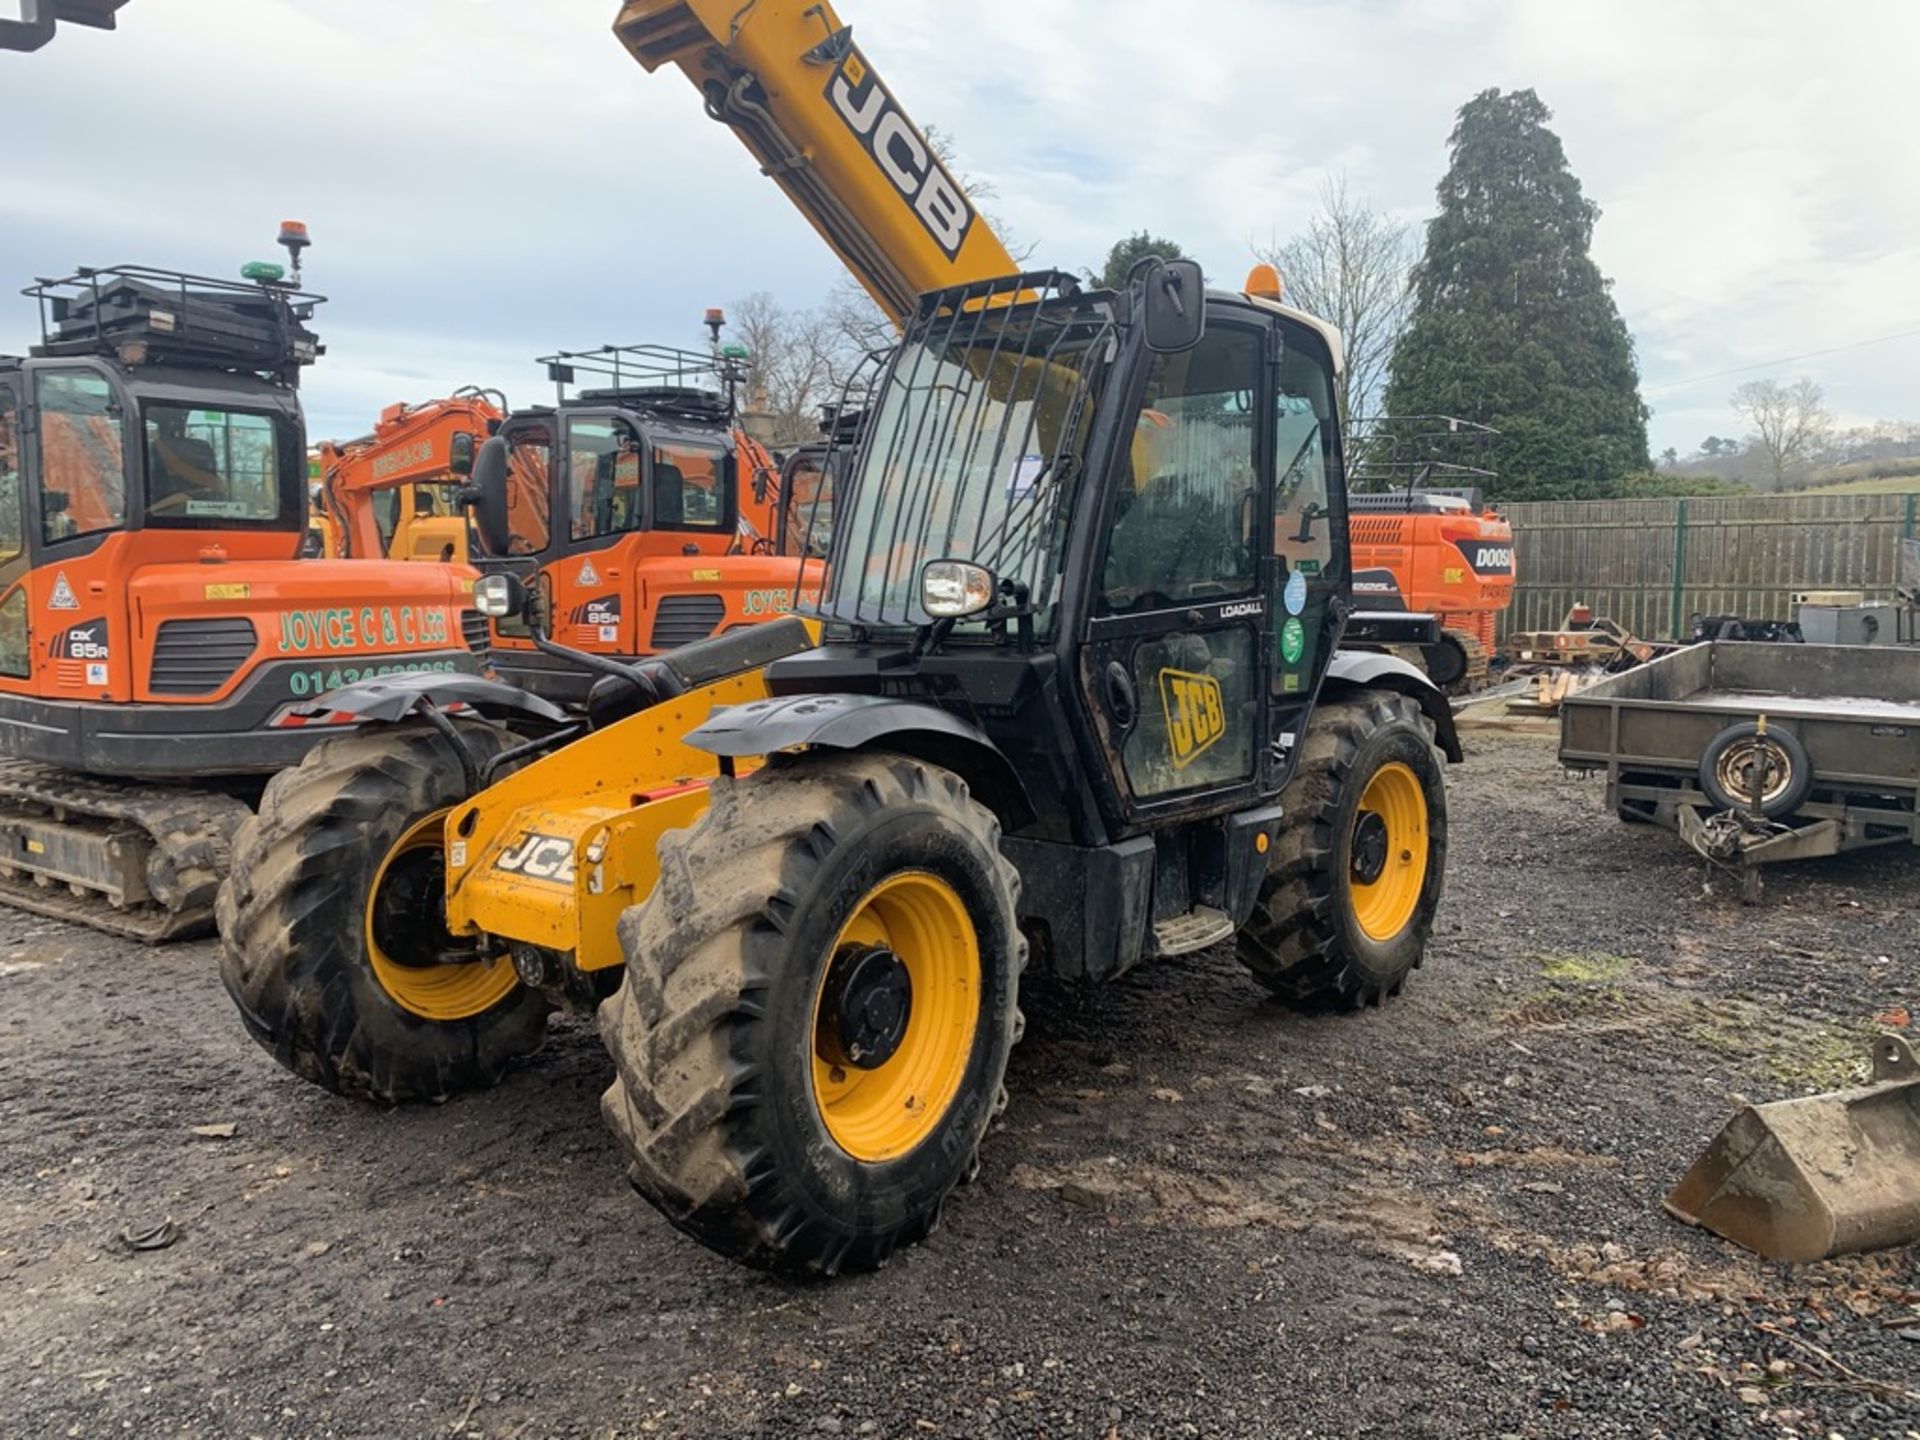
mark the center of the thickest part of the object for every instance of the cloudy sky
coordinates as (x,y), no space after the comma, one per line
(488,180)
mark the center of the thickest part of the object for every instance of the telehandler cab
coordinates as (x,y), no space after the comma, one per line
(1073,695)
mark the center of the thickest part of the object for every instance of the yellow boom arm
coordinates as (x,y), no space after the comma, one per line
(788,79)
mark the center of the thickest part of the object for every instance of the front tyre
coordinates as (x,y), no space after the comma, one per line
(821,994)
(333,926)
(1356,872)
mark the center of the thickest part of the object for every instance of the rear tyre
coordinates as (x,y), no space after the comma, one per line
(1357,870)
(333,925)
(820,999)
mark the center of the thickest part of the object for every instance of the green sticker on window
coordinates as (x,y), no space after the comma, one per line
(1293,641)
(1307,567)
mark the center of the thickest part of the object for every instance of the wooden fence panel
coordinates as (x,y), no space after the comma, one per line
(1650,564)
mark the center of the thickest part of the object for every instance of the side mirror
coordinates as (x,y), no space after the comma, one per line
(501,596)
(1173,304)
(460,454)
(487,497)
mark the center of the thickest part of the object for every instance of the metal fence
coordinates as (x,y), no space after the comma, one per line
(1650,564)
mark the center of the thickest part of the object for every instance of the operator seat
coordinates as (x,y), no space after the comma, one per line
(669,494)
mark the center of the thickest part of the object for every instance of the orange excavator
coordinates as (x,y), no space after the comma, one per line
(646,516)
(395,492)
(1425,540)
(157,632)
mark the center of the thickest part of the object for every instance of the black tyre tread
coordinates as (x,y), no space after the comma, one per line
(1789,801)
(1291,943)
(699,954)
(290,919)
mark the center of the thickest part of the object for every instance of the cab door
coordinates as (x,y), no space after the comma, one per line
(1174,664)
(1309,560)
(16,639)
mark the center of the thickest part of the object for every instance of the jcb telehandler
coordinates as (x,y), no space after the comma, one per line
(157,632)
(1079,698)
(1072,695)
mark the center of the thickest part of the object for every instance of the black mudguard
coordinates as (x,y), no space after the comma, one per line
(396,697)
(858,722)
(1370,670)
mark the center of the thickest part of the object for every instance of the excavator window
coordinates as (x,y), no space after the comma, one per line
(604,495)
(15,659)
(689,483)
(12,540)
(83,476)
(211,466)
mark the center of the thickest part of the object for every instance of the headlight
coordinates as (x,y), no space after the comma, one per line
(954,589)
(499,596)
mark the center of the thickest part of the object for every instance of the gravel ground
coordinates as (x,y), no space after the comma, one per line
(1204,1215)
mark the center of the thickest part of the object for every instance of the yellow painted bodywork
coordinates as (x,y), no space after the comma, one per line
(610,796)
(879,217)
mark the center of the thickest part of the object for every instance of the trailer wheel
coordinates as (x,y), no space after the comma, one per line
(333,925)
(1733,757)
(1355,875)
(819,1003)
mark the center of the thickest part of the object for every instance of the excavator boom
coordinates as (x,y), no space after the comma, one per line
(788,79)
(428,444)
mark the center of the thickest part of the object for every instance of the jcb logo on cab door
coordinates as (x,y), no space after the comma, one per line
(1196,714)
(901,152)
(539,857)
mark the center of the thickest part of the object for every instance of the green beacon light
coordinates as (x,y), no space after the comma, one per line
(735,351)
(263,271)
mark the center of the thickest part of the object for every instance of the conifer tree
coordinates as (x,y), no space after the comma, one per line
(1513,324)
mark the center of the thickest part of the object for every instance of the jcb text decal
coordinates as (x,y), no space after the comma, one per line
(1196,715)
(901,152)
(539,857)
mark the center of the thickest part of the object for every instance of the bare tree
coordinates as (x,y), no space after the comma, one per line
(1350,268)
(791,364)
(1790,423)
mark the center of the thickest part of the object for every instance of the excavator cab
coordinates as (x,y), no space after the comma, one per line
(637,505)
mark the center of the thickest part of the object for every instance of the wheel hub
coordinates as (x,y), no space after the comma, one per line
(1369,847)
(864,1007)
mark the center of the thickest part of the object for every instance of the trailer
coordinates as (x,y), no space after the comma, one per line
(1758,753)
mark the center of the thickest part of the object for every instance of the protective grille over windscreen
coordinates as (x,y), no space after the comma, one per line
(972,448)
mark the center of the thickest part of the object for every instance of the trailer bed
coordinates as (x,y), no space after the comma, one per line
(1787,707)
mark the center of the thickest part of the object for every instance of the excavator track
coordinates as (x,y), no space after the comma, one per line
(143,861)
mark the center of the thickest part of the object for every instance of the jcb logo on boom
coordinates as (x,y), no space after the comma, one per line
(901,152)
(1196,714)
(539,857)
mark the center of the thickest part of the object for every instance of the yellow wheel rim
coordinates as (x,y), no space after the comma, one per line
(919,920)
(1389,850)
(406,911)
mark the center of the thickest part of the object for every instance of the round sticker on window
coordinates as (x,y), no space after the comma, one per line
(1295,595)
(1293,641)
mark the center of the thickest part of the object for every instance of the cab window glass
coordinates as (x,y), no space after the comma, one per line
(603,478)
(1303,448)
(15,659)
(688,486)
(529,466)
(207,465)
(12,532)
(83,477)
(1183,522)
(808,486)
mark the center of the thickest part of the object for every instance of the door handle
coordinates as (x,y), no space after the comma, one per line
(1123,702)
